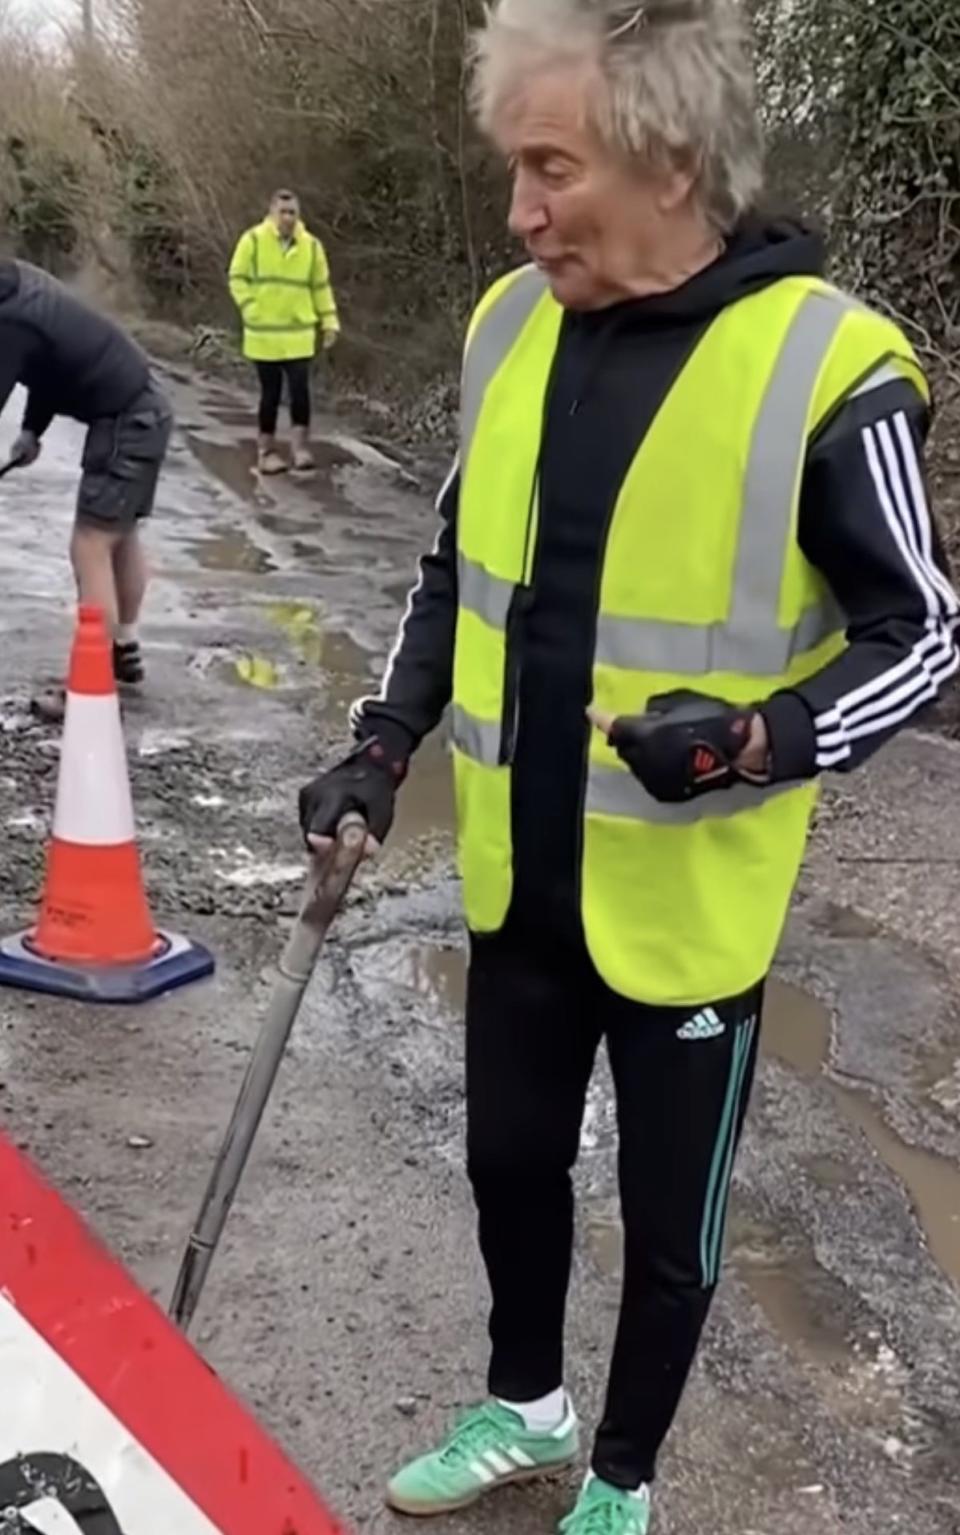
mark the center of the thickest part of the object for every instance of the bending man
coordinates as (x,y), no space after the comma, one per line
(75,362)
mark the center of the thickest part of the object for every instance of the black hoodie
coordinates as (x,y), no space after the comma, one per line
(72,360)
(611,373)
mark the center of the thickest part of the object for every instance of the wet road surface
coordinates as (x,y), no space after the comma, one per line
(347,1302)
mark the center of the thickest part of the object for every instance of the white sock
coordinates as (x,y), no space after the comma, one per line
(544,1415)
(125,634)
(641,1493)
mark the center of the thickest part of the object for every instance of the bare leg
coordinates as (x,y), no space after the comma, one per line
(92,557)
(130,574)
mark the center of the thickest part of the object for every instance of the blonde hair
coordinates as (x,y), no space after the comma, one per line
(676,83)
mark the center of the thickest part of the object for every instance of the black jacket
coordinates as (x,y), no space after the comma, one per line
(864,523)
(72,360)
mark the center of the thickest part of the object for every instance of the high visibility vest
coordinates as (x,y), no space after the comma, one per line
(283,293)
(703,586)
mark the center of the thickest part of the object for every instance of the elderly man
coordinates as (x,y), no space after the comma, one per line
(685,565)
(280,282)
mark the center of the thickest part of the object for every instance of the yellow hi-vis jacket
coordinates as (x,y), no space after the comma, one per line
(282,292)
(703,586)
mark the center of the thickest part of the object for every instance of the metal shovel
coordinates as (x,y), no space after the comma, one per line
(327,884)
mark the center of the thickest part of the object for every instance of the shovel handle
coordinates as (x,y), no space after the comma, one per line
(327,882)
(324,890)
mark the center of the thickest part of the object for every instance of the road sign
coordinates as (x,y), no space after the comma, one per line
(110,1423)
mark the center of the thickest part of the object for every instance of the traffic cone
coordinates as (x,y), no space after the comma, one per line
(95,939)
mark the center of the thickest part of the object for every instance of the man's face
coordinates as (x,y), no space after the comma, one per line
(589,221)
(286,211)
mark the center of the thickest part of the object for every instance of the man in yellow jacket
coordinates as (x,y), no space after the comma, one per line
(280,282)
(685,566)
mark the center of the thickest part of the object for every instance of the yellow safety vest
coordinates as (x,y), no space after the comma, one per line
(283,293)
(703,586)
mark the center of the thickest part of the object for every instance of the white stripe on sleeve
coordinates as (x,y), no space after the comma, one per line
(897,693)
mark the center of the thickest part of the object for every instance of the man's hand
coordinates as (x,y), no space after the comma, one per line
(26,449)
(366,781)
(688,744)
(330,339)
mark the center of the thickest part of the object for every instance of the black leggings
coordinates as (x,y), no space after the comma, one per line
(272,375)
(536,1015)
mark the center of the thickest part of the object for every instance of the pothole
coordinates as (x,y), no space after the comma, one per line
(230,549)
(797,1031)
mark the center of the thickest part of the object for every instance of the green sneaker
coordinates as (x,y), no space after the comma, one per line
(605,1510)
(489,1448)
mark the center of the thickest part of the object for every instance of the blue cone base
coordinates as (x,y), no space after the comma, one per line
(181,962)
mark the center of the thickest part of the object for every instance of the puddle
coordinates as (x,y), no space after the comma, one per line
(438,975)
(797,1031)
(434,974)
(329,455)
(346,666)
(257,671)
(796,1028)
(425,804)
(230,463)
(803,1303)
(312,643)
(810,1311)
(932,1182)
(231,549)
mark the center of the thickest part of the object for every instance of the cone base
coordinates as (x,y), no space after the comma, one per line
(181,962)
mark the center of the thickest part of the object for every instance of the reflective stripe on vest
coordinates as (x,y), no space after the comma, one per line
(477,739)
(611,791)
(294,327)
(485,595)
(280,282)
(490,344)
(751,640)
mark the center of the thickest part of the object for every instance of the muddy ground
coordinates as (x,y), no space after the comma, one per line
(347,1303)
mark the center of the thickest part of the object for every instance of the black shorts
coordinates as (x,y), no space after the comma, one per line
(122,459)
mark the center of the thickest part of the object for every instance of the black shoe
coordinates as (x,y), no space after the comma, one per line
(128,663)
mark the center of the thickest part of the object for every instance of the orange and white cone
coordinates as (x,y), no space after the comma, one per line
(95,937)
(94,909)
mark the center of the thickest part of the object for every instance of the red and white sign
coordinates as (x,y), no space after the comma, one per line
(110,1423)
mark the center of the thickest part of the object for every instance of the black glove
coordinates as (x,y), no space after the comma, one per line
(366,781)
(684,746)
